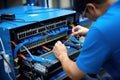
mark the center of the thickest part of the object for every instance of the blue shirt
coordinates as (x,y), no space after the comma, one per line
(102,44)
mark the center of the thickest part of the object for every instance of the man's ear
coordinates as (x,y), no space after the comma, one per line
(91,8)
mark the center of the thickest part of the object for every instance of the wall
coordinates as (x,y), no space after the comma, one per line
(64,3)
(60,3)
(10,3)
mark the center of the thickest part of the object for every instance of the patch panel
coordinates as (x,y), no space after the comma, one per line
(31,32)
(40,29)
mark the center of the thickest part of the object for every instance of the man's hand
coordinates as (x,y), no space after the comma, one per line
(79,31)
(59,49)
(68,65)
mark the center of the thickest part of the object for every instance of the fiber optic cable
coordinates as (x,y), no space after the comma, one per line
(22,56)
(48,49)
(13,43)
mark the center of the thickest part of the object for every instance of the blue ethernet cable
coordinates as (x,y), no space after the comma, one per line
(73,39)
(27,41)
(72,45)
(57,31)
(73,42)
(64,28)
(37,59)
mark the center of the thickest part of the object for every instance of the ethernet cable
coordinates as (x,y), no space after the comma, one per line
(27,41)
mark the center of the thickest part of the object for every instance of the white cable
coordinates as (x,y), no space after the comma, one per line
(2,45)
(9,76)
(28,51)
(4,54)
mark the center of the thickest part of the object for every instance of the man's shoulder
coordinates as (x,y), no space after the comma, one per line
(108,20)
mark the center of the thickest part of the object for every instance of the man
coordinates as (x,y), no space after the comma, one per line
(102,44)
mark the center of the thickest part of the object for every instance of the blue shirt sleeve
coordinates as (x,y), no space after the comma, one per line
(94,53)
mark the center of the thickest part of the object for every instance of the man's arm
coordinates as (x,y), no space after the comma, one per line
(71,68)
(68,65)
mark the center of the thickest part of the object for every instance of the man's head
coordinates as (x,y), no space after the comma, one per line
(92,9)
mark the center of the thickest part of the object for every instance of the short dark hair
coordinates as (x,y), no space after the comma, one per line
(79,5)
